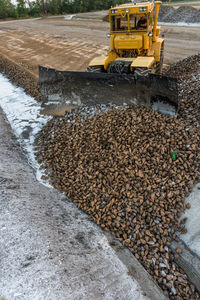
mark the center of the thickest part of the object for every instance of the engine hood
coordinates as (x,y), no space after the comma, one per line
(128,42)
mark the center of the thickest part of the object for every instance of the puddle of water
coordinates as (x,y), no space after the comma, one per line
(74,17)
(69,17)
(165,108)
(87,19)
(23,113)
(57,110)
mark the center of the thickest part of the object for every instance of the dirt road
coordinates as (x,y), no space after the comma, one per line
(71,44)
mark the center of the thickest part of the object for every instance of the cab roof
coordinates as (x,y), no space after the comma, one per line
(134,4)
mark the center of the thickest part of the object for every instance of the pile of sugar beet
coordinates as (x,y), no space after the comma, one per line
(131,169)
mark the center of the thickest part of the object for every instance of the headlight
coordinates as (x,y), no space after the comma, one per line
(112,11)
(127,10)
(116,11)
(143,9)
(108,35)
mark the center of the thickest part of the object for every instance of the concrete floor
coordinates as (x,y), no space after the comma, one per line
(192,237)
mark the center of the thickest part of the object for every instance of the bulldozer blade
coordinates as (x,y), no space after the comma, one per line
(89,89)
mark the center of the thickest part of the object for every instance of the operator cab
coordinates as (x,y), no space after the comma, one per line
(131,18)
(133,23)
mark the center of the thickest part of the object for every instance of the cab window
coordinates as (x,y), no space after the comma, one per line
(118,23)
(138,22)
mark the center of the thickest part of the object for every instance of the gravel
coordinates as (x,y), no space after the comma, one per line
(21,76)
(187,72)
(187,14)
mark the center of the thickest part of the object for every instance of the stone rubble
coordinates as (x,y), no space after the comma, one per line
(184,13)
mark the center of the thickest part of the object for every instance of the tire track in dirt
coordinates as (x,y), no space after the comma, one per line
(51,52)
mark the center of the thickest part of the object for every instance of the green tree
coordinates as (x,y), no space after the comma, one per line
(76,6)
(7,9)
(35,8)
(52,7)
(21,8)
(67,6)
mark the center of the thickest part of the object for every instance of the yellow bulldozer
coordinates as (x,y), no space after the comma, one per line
(135,43)
(129,74)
